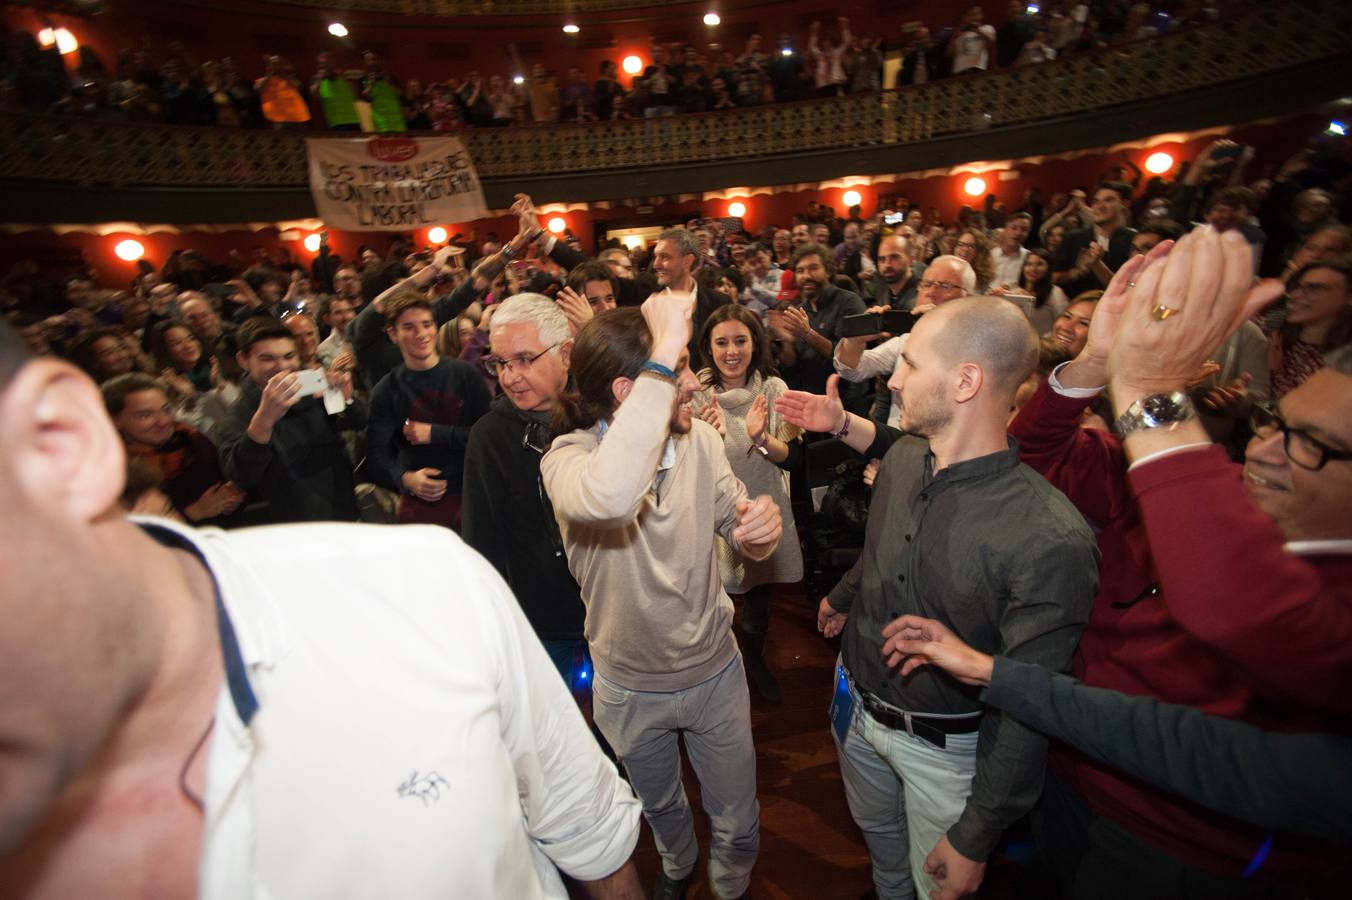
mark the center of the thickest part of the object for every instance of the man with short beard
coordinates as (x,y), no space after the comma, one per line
(808,332)
(640,489)
(932,779)
(895,282)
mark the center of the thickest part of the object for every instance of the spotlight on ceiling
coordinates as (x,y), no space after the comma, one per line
(1159,163)
(129,250)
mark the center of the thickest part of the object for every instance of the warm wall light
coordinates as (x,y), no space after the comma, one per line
(633,241)
(518,79)
(436,234)
(311,242)
(632,65)
(64,40)
(737,209)
(711,19)
(557,225)
(1159,163)
(851,198)
(974,186)
(570,28)
(129,250)
(338,29)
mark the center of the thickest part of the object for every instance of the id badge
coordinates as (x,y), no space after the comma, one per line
(842,705)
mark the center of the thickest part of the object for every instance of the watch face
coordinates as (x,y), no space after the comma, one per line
(1161,409)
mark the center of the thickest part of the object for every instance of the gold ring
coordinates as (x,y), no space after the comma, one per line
(1162,312)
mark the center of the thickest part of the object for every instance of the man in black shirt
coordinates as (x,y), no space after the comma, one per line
(962,532)
(421,414)
(507,517)
(807,333)
(284,446)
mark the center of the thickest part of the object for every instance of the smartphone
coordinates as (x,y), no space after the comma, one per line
(893,321)
(311,381)
(894,218)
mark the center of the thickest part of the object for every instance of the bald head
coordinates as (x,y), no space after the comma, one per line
(993,333)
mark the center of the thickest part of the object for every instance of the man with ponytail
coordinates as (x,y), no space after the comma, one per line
(640,489)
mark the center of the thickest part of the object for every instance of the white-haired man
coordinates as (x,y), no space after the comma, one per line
(506,516)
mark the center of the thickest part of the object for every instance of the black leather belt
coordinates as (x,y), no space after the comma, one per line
(924,727)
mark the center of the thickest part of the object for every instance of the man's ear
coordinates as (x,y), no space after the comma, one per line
(57,441)
(566,353)
(620,388)
(967,381)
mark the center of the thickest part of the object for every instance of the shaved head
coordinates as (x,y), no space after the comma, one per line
(988,331)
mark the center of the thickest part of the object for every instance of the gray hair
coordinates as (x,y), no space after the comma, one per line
(686,243)
(965,271)
(550,322)
(1339,360)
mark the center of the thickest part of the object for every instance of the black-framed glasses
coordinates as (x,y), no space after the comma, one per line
(498,366)
(1302,449)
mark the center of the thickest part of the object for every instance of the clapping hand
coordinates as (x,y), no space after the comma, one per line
(759,523)
(712,412)
(758,419)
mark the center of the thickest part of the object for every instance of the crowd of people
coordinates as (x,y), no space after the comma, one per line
(172,85)
(1052,400)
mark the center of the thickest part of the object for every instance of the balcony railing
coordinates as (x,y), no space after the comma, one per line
(1266,39)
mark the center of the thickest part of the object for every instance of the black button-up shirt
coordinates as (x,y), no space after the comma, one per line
(997,554)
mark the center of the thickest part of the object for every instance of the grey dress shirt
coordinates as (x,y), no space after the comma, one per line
(993,551)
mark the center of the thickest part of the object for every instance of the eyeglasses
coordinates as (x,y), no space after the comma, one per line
(1301,449)
(498,366)
(970,245)
(939,286)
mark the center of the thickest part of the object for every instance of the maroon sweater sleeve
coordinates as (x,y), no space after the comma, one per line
(1285,620)
(1087,465)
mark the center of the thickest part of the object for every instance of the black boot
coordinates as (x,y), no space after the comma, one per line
(758,674)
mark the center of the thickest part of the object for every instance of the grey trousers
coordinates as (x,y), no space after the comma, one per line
(715,718)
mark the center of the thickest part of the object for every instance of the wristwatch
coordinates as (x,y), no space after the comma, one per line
(1166,411)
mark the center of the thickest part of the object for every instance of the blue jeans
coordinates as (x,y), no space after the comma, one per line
(904,794)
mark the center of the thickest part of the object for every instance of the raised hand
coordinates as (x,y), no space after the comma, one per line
(1231,398)
(667,314)
(1178,313)
(814,412)
(758,419)
(576,308)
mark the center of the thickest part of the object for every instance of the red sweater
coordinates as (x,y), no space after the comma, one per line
(1238,627)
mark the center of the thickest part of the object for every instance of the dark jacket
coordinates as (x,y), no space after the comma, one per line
(507,517)
(303,472)
(1119,251)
